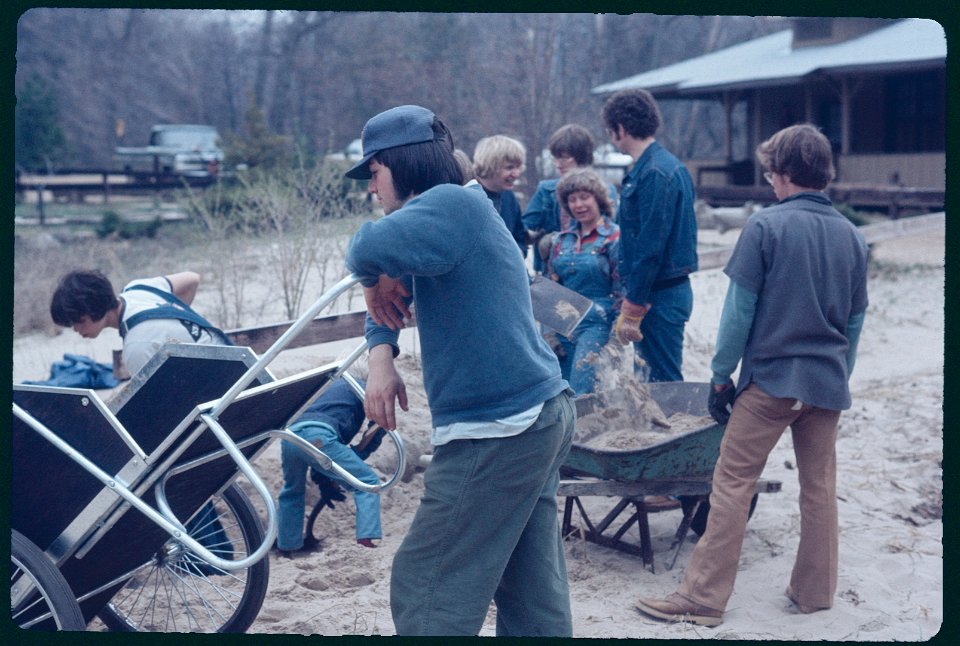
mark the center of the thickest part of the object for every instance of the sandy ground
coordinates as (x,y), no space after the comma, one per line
(890,451)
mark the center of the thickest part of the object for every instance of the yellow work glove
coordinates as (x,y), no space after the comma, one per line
(627,327)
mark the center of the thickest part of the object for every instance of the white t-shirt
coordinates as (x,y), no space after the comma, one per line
(145,339)
(506,427)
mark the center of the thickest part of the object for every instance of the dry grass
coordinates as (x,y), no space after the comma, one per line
(229,269)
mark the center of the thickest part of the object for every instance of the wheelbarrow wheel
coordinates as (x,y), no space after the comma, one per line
(699,522)
(179,592)
(46,594)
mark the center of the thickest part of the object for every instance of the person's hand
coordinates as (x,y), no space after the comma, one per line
(553,340)
(627,326)
(720,401)
(384,388)
(386,302)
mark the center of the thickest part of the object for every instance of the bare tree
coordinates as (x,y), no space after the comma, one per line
(318,78)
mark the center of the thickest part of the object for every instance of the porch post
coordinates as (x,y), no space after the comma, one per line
(728,126)
(845,115)
(755,135)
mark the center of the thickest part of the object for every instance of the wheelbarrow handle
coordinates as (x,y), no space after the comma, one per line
(324,460)
(305,319)
(245,467)
(329,465)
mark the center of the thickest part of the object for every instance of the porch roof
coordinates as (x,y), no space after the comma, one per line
(771,60)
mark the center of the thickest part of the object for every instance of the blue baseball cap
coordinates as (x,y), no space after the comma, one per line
(399,126)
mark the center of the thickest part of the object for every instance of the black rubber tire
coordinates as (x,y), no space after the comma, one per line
(30,566)
(135,606)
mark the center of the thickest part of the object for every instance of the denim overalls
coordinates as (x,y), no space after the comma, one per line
(589,269)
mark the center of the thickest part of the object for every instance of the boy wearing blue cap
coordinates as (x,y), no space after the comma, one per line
(503,418)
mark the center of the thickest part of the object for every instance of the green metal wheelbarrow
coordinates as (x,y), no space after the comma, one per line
(677,471)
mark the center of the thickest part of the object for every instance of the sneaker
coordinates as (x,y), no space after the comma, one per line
(678,608)
(802,608)
(366,542)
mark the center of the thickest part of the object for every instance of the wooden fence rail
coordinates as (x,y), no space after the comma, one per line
(350,325)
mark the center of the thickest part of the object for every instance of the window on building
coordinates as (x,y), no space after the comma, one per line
(915,112)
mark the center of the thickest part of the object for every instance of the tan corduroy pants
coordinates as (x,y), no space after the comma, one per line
(756,424)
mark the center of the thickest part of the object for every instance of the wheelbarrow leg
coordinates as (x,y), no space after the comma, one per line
(689,511)
(643,525)
(646,547)
(565,529)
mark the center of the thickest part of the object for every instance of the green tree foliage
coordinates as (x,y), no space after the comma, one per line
(39,140)
(257,147)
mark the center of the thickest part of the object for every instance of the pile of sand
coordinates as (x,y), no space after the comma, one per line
(890,484)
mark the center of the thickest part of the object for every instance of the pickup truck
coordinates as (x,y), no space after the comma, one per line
(174,149)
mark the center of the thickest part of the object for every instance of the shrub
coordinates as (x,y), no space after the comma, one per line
(851,214)
(112,223)
(109,222)
(130,229)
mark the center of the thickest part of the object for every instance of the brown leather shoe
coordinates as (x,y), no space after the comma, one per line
(678,608)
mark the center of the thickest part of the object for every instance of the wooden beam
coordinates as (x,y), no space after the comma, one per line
(322,329)
(338,327)
(904,227)
(671,487)
(917,225)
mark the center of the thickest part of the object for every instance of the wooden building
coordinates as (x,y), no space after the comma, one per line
(875,86)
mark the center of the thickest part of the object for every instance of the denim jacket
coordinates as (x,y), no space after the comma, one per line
(658,226)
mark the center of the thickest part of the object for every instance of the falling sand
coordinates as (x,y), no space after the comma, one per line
(622,415)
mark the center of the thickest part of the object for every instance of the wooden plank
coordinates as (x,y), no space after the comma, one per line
(878,232)
(855,195)
(322,329)
(350,325)
(904,227)
(672,487)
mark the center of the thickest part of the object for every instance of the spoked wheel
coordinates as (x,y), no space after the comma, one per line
(179,592)
(38,592)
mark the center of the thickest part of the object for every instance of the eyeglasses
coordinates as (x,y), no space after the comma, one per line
(769,177)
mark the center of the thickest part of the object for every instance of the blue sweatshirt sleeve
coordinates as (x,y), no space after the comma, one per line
(379,334)
(413,241)
(418,239)
(854,326)
(739,308)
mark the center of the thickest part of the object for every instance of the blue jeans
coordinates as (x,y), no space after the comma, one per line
(576,367)
(487,529)
(295,461)
(662,346)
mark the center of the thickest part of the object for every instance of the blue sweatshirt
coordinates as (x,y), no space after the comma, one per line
(483,358)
